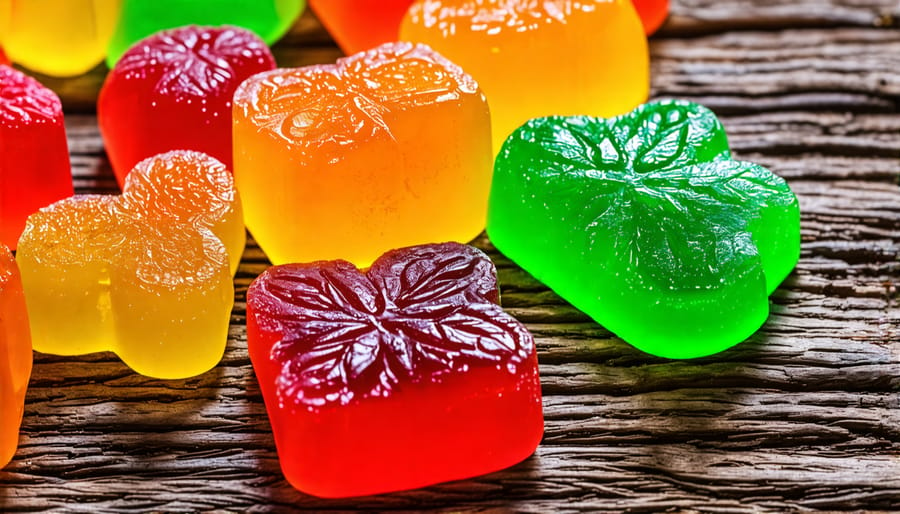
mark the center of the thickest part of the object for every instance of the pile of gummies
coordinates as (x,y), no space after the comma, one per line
(378,340)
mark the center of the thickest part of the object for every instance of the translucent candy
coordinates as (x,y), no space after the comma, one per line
(647,224)
(385,149)
(173,91)
(269,19)
(359,25)
(15,355)
(57,37)
(403,376)
(34,154)
(540,58)
(147,274)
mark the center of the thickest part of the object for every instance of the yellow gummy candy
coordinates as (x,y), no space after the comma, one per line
(57,37)
(147,275)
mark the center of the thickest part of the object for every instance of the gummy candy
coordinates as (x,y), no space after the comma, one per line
(564,57)
(403,376)
(359,25)
(57,37)
(384,149)
(144,274)
(3,58)
(647,224)
(34,154)
(173,91)
(653,13)
(269,19)
(15,355)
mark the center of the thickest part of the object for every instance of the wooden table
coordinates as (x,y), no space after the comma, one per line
(806,414)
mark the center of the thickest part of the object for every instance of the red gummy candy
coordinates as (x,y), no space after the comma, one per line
(358,25)
(403,376)
(173,91)
(653,13)
(34,154)
(3,58)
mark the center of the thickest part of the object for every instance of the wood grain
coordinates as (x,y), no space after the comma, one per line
(804,415)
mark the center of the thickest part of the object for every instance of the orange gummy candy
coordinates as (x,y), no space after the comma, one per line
(385,149)
(540,58)
(358,25)
(15,355)
(147,275)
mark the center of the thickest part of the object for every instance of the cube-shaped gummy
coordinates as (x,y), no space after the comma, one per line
(533,59)
(385,149)
(34,154)
(403,376)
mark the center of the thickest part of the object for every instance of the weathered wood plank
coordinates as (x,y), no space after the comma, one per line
(637,477)
(692,17)
(842,70)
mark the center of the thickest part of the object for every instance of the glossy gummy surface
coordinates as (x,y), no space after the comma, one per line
(406,375)
(173,91)
(269,19)
(647,224)
(15,355)
(513,47)
(359,25)
(386,149)
(57,37)
(147,274)
(34,154)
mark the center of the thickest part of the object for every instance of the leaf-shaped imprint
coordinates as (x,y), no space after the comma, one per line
(194,61)
(416,315)
(302,106)
(646,223)
(174,90)
(401,376)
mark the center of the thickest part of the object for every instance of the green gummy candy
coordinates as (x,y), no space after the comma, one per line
(269,19)
(647,224)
